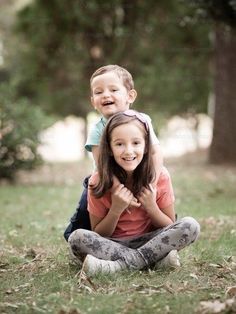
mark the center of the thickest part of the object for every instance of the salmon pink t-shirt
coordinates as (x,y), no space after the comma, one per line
(135,221)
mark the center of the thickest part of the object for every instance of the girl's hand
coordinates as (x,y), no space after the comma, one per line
(135,202)
(120,199)
(148,198)
(116,183)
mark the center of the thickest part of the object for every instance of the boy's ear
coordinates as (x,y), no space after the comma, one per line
(132,96)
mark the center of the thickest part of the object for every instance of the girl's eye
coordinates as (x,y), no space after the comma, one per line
(97,93)
(136,143)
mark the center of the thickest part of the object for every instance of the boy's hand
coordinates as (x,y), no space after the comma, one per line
(148,197)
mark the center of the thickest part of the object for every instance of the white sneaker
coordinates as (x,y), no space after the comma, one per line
(171,260)
(93,265)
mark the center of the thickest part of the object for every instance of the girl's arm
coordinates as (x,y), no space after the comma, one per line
(120,200)
(160,217)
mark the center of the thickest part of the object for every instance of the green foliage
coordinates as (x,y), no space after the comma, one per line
(64,42)
(20,123)
(221,10)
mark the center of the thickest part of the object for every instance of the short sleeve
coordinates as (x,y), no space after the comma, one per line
(94,137)
(97,206)
(165,193)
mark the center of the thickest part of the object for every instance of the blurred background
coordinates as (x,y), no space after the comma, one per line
(182,55)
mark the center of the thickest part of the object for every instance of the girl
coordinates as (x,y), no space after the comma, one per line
(122,236)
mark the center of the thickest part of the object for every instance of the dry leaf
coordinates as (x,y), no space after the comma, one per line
(194,276)
(212,307)
(231,291)
(216,265)
(7,304)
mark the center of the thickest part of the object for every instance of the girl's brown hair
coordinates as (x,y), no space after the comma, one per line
(143,175)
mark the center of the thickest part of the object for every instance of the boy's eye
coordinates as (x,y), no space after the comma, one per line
(97,92)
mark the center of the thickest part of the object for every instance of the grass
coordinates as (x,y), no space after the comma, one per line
(36,276)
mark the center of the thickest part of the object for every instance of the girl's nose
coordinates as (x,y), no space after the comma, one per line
(128,149)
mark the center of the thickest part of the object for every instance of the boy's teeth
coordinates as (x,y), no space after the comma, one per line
(108,103)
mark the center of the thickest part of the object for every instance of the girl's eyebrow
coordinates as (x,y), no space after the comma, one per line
(122,139)
(117,139)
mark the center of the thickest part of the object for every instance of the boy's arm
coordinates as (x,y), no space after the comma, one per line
(95,152)
(157,157)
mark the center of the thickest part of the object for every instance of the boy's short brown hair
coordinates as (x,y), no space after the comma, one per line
(122,73)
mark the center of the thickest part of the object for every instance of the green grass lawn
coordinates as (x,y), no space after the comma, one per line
(37,277)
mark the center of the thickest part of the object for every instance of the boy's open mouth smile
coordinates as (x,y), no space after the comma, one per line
(107,103)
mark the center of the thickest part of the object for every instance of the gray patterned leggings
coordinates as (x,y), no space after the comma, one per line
(136,252)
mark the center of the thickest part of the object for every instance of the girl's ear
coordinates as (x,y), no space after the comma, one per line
(132,94)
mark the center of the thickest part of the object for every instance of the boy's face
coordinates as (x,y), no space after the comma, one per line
(109,95)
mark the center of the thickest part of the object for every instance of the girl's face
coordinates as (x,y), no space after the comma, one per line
(128,145)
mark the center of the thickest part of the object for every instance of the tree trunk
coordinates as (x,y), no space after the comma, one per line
(223,147)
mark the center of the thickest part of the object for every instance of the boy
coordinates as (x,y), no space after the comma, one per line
(112,91)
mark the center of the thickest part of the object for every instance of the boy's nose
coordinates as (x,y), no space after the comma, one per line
(106,93)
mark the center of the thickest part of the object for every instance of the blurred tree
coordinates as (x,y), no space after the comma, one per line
(223,13)
(66,41)
(20,124)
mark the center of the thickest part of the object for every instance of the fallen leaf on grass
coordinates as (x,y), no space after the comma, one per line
(194,276)
(18,288)
(216,265)
(4,305)
(212,307)
(231,291)
(72,311)
(7,304)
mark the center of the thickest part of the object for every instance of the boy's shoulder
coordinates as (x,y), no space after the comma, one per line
(145,115)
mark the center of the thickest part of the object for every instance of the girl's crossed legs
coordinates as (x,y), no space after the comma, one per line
(136,252)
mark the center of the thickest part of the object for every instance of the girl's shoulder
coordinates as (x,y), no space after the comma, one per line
(164,175)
